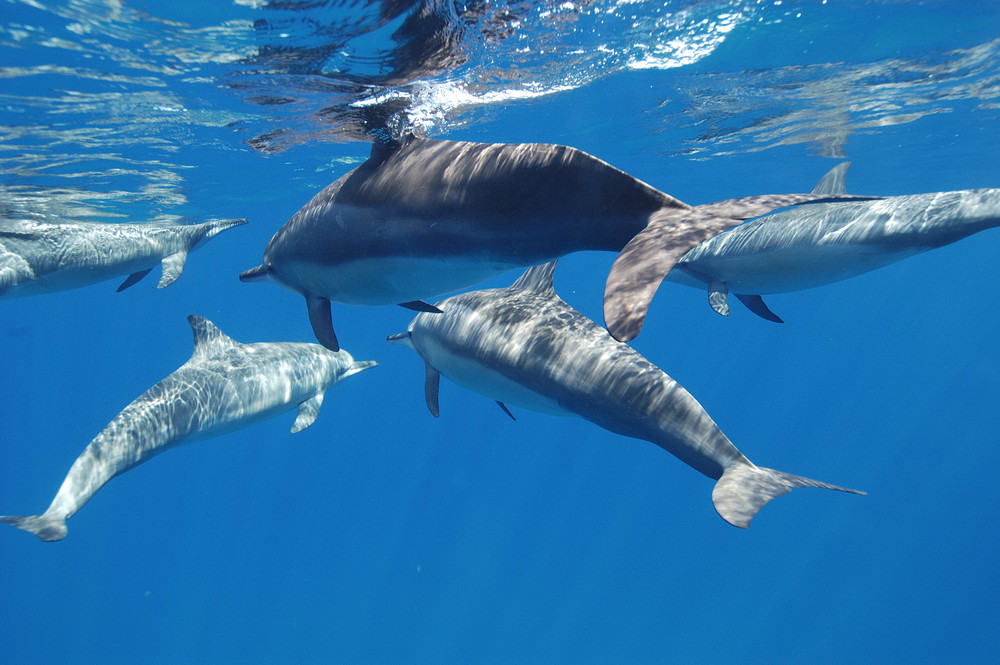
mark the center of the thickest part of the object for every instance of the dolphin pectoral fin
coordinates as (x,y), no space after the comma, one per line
(133,279)
(432,384)
(420,306)
(506,410)
(308,410)
(646,260)
(322,322)
(744,489)
(173,266)
(757,305)
(718,297)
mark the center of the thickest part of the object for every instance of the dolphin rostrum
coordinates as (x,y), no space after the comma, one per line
(424,217)
(524,346)
(822,243)
(225,386)
(42,257)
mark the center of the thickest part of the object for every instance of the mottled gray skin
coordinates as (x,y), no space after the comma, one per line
(524,346)
(428,217)
(41,257)
(822,243)
(225,386)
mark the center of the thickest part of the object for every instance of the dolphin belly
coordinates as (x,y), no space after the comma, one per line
(389,280)
(479,378)
(790,268)
(74,276)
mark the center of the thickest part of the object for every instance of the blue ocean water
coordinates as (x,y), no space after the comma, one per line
(382,535)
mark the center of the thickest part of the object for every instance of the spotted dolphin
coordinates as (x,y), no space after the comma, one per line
(524,346)
(425,217)
(41,257)
(819,244)
(225,386)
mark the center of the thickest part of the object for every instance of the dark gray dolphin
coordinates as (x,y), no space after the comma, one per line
(524,346)
(223,387)
(41,257)
(822,243)
(426,217)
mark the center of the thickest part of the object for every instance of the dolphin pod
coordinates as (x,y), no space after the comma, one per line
(425,216)
(224,386)
(41,257)
(822,243)
(524,346)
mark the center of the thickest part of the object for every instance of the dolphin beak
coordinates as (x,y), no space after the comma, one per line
(258,274)
(401,339)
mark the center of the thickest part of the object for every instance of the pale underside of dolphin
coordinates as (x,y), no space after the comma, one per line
(426,217)
(41,257)
(822,243)
(524,346)
(225,386)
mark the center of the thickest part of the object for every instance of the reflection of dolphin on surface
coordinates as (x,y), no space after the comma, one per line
(41,257)
(822,243)
(427,216)
(223,387)
(524,346)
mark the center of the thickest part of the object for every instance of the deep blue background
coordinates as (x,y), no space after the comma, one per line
(382,535)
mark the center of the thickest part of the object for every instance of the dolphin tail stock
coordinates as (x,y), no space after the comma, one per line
(744,489)
(47,527)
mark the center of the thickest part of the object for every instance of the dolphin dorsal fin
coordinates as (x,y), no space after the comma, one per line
(537,278)
(207,337)
(833,183)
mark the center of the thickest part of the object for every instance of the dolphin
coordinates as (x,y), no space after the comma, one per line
(524,346)
(41,257)
(819,244)
(225,386)
(423,217)
(648,258)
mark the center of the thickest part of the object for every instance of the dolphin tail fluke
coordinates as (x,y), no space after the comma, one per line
(46,527)
(744,489)
(641,266)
